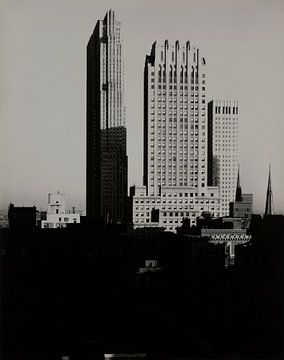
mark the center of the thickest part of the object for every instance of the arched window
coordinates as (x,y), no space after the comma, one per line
(160,73)
(181,75)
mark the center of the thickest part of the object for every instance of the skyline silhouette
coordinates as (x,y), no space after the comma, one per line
(43,137)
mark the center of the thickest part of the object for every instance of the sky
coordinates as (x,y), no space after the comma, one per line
(43,86)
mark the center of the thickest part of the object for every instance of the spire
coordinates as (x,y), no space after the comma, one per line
(269,200)
(239,189)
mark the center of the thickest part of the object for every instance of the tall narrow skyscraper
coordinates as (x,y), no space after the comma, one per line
(269,199)
(106,131)
(223,149)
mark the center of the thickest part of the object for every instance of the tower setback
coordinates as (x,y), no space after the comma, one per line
(106,131)
(175,140)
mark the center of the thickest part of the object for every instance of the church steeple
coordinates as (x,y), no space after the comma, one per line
(269,199)
(238,189)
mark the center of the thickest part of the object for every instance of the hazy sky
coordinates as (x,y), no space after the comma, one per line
(43,77)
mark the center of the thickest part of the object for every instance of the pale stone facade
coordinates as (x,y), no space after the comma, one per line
(175,118)
(223,152)
(175,140)
(56,216)
(172,206)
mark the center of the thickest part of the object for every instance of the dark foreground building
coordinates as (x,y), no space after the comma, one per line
(22,217)
(106,131)
(85,291)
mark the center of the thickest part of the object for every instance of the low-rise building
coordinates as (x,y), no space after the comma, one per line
(171,206)
(56,216)
(242,207)
(4,223)
(22,217)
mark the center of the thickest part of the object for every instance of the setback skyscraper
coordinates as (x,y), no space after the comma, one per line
(175,139)
(175,117)
(106,131)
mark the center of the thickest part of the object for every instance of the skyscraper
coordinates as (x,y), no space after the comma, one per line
(175,117)
(223,149)
(175,139)
(106,131)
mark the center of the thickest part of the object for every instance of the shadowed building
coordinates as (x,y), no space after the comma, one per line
(22,217)
(242,207)
(106,132)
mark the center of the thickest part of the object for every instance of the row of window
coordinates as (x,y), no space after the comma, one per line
(174,93)
(174,113)
(182,88)
(173,140)
(175,214)
(164,87)
(66,219)
(226,110)
(174,194)
(173,103)
(172,126)
(173,67)
(180,203)
(191,159)
(175,184)
(175,202)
